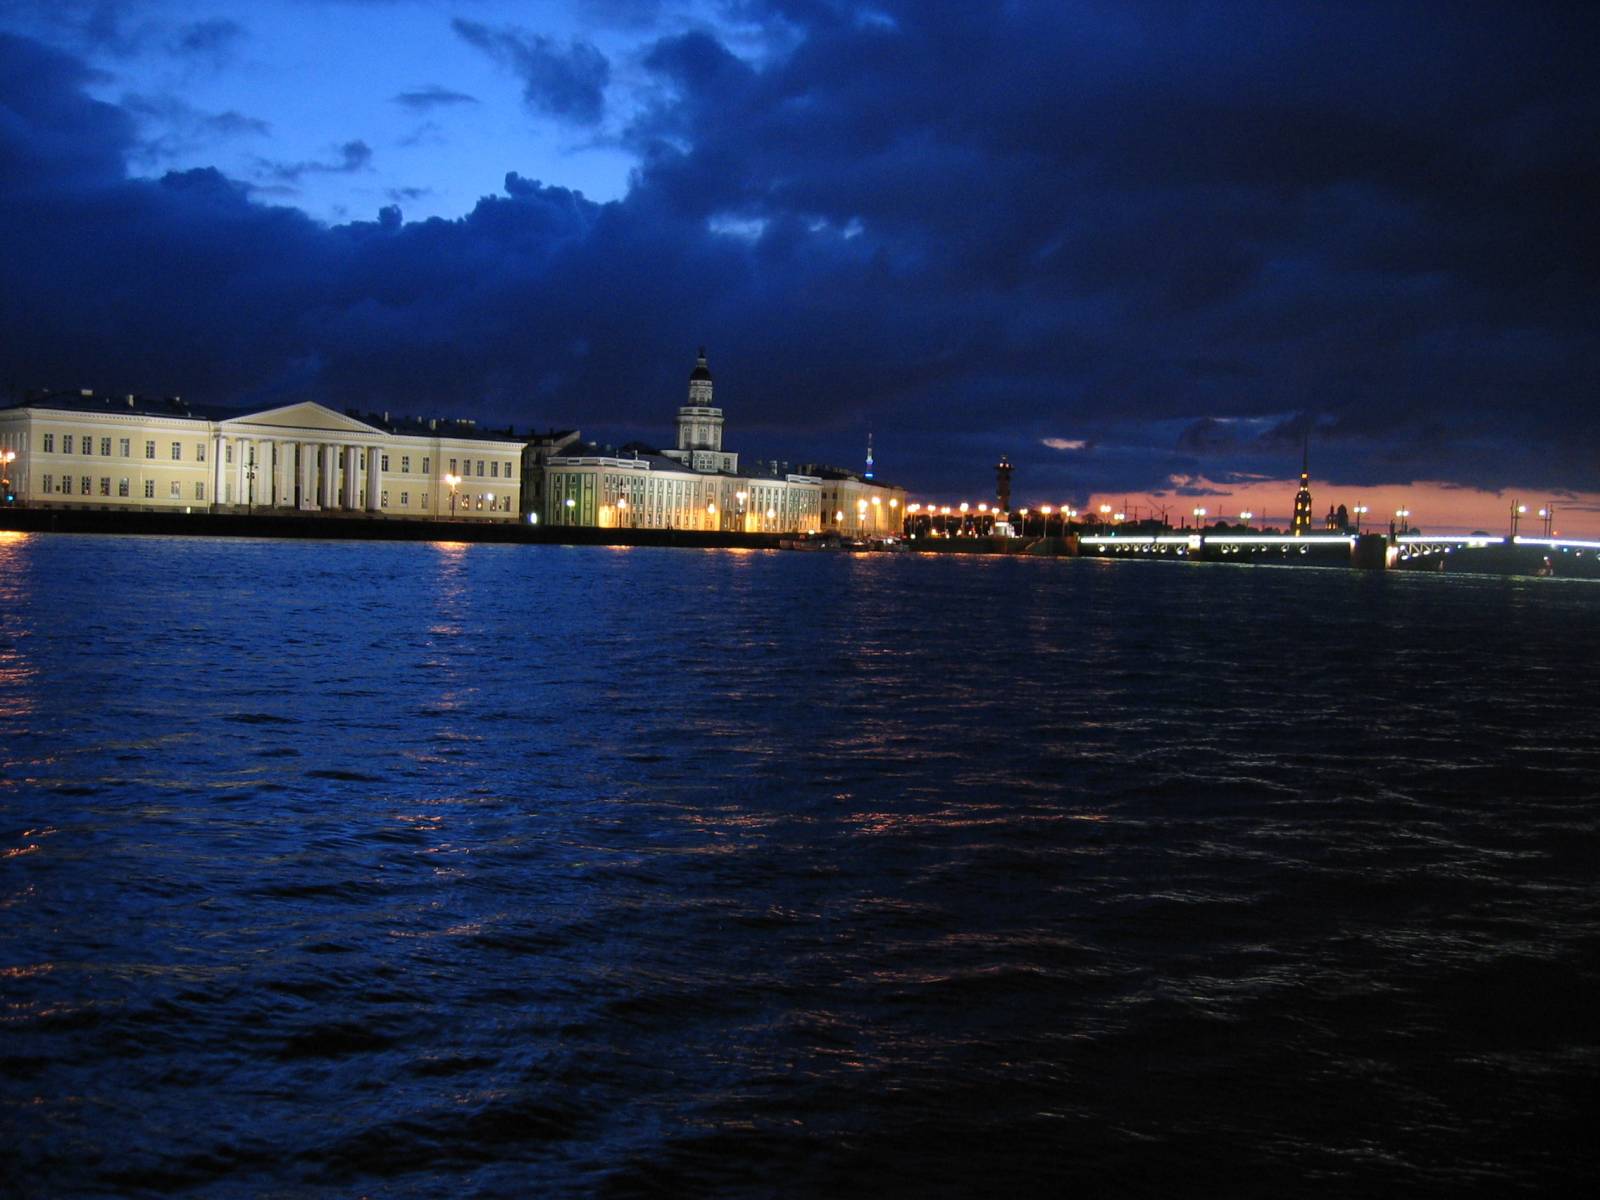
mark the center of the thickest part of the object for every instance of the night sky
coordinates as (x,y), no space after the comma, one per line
(1142,248)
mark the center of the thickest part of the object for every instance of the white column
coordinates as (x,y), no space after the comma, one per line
(219,470)
(351,483)
(303,475)
(374,478)
(283,474)
(325,468)
(241,465)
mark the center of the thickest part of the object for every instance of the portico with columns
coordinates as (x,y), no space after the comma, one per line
(302,456)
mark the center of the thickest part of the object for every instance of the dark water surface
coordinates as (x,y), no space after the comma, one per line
(410,870)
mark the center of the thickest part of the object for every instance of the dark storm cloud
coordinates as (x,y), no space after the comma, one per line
(1178,235)
(214,39)
(174,127)
(568,83)
(431,97)
(353,156)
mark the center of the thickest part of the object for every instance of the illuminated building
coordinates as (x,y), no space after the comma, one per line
(695,485)
(79,450)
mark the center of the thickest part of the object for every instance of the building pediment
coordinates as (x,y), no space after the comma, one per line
(307,415)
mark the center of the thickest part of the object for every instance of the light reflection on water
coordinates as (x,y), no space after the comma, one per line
(335,869)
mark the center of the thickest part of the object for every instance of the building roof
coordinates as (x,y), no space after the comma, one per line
(86,401)
(439,427)
(701,371)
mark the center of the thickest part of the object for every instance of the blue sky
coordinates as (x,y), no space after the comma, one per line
(1141,247)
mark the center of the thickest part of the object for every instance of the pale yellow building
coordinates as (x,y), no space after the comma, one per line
(78,450)
(861,508)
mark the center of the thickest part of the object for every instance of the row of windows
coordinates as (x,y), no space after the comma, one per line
(86,487)
(468,464)
(463,503)
(85,446)
(71,444)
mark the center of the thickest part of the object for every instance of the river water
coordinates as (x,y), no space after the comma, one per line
(339,869)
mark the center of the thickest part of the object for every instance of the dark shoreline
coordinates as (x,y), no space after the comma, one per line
(339,528)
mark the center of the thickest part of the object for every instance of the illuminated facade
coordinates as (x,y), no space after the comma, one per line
(78,450)
(857,507)
(695,485)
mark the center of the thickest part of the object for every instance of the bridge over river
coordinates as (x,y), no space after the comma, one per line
(1376,551)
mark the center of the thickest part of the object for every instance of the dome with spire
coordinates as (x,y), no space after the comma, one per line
(701,371)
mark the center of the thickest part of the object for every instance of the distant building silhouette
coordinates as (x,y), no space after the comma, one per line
(1002,484)
(1302,498)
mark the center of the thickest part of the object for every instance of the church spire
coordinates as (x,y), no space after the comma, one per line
(1302,498)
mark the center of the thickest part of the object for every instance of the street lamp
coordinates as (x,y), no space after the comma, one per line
(570,502)
(1548,515)
(1023,528)
(622,509)
(711,512)
(877,506)
(1360,511)
(894,517)
(1247,517)
(1405,519)
(454,481)
(1198,513)
(740,496)
(861,516)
